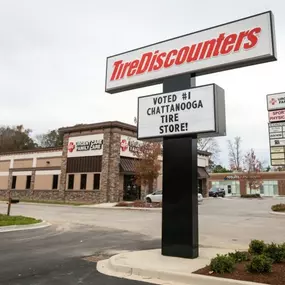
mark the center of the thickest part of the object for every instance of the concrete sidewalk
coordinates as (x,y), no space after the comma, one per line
(151,266)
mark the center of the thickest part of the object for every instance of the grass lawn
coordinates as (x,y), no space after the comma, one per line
(16,220)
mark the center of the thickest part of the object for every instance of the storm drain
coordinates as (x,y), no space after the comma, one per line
(97,257)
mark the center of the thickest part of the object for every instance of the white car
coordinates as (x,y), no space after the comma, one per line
(157,197)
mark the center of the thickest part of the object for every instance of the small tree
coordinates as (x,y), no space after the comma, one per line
(15,138)
(220,169)
(235,158)
(148,165)
(252,167)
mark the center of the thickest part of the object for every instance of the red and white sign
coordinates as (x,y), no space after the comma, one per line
(89,145)
(128,145)
(276,116)
(276,101)
(244,42)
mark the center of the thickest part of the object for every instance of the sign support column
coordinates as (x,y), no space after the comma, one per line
(180,190)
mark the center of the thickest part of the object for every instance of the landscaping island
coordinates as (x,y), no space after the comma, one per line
(262,263)
(16,220)
(139,204)
(278,208)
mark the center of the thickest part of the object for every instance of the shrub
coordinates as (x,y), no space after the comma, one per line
(250,196)
(278,208)
(275,252)
(239,256)
(144,204)
(222,264)
(123,204)
(257,246)
(260,264)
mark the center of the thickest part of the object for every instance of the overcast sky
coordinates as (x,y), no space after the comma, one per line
(53,53)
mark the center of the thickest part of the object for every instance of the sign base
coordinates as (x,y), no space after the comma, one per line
(180,189)
(180,198)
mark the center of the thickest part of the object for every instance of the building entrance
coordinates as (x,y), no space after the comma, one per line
(131,190)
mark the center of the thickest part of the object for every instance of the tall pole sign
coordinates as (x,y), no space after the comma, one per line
(184,112)
(276,128)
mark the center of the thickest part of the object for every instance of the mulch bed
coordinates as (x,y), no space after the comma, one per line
(276,277)
(139,204)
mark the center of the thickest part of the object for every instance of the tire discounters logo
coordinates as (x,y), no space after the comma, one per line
(244,42)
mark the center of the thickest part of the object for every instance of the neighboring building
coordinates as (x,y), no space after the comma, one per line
(236,184)
(95,164)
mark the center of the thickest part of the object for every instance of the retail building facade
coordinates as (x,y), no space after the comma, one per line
(236,184)
(95,164)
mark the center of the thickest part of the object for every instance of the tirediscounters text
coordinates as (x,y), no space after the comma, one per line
(168,108)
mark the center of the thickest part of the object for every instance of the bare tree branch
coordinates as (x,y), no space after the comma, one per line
(211,145)
(235,153)
(252,166)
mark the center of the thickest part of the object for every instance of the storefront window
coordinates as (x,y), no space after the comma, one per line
(268,188)
(231,187)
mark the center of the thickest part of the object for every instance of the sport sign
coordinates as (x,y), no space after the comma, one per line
(199,110)
(243,42)
(276,116)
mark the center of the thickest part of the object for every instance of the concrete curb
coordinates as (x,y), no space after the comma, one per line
(124,208)
(133,208)
(113,268)
(277,213)
(40,225)
(43,204)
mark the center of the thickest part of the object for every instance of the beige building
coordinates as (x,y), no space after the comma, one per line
(95,164)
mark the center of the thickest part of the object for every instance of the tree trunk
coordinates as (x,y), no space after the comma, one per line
(150,186)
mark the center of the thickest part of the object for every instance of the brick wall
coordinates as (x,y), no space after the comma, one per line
(62,181)
(52,195)
(110,175)
(281,187)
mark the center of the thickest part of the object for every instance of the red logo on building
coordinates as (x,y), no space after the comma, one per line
(273,101)
(71,147)
(124,145)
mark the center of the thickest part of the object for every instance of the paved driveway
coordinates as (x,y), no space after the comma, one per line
(222,222)
(58,256)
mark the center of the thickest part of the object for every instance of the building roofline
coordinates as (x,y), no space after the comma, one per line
(203,152)
(46,149)
(96,126)
(245,173)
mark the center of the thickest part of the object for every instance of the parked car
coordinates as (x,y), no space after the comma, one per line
(217,192)
(156,196)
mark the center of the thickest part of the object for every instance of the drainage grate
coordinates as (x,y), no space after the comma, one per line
(96,257)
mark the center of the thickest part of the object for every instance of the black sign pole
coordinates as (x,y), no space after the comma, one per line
(180,189)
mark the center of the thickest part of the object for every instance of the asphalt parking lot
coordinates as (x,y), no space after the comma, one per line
(60,256)
(227,223)
(66,252)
